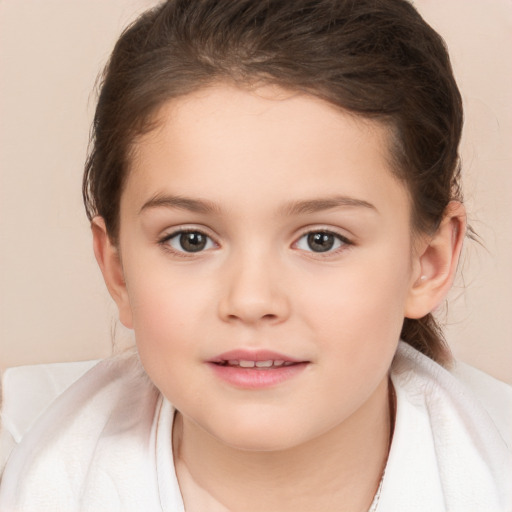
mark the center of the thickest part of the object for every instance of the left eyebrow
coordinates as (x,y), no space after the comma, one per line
(318,205)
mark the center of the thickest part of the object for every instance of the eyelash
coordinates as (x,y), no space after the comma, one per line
(344,243)
(164,242)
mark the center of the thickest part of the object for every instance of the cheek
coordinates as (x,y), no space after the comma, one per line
(356,325)
(360,308)
(165,321)
(166,309)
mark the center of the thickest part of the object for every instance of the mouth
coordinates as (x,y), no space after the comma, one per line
(258,365)
(256,369)
(255,359)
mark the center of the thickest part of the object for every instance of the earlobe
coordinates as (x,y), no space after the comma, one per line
(436,263)
(109,261)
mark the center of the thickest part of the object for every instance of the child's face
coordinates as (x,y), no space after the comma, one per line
(249,175)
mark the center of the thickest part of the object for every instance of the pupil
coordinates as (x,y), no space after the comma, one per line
(192,242)
(320,242)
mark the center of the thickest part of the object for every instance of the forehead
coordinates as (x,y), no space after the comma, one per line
(215,111)
(226,142)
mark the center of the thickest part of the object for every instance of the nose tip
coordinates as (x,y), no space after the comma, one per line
(252,296)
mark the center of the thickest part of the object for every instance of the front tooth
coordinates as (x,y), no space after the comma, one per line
(264,364)
(247,364)
(278,362)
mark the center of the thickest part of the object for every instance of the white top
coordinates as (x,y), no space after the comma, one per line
(105,444)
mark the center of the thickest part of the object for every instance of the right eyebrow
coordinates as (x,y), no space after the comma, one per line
(180,203)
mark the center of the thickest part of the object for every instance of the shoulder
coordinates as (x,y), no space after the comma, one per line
(461,385)
(28,390)
(494,395)
(106,413)
(450,449)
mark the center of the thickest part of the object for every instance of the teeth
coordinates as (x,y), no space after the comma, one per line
(264,364)
(258,364)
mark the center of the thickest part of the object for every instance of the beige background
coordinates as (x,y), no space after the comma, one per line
(53,305)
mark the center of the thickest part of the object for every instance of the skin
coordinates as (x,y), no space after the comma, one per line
(254,158)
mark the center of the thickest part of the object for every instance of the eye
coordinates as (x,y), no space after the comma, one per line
(321,241)
(189,241)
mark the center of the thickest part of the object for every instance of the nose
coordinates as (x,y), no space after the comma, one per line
(253,292)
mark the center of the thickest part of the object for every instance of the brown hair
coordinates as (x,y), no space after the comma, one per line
(375,58)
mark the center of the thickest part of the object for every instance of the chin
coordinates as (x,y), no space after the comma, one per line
(260,436)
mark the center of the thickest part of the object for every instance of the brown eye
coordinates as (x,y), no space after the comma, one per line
(190,241)
(321,241)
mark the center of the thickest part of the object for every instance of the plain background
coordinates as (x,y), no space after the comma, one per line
(53,303)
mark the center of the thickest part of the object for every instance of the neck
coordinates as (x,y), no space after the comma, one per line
(340,469)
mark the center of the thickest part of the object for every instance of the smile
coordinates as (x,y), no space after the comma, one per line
(251,370)
(263,365)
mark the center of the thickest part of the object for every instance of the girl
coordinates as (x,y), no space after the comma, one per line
(273,189)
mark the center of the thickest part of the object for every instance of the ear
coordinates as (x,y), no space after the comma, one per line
(108,258)
(435,263)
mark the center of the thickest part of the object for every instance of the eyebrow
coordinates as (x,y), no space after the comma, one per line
(318,205)
(180,203)
(293,208)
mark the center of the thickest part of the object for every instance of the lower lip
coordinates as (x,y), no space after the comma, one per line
(252,378)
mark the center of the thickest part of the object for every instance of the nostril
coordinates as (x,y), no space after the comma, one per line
(265,317)
(254,305)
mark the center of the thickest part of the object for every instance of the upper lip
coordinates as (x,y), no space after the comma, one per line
(253,355)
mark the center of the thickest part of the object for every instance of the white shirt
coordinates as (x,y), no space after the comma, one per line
(105,444)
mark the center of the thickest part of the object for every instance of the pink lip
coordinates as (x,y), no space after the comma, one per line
(255,378)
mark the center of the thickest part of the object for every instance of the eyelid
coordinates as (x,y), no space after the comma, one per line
(171,231)
(344,234)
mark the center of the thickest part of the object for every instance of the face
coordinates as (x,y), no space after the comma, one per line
(266,253)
